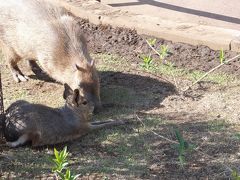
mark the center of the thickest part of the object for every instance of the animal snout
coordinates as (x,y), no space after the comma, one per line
(97,107)
(95,101)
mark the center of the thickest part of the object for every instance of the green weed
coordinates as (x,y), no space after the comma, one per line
(152,42)
(163,49)
(163,52)
(222,56)
(182,147)
(217,126)
(235,175)
(60,165)
(147,62)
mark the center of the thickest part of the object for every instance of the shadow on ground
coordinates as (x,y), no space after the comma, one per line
(131,151)
(125,90)
(133,91)
(135,152)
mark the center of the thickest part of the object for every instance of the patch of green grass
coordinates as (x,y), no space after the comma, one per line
(11,97)
(220,78)
(27,161)
(19,94)
(151,122)
(110,62)
(117,165)
(126,153)
(167,70)
(118,95)
(122,102)
(236,136)
(218,125)
(37,97)
(114,113)
(117,63)
(126,149)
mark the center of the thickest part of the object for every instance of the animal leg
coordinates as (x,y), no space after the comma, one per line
(35,138)
(102,124)
(34,67)
(21,140)
(16,72)
(13,59)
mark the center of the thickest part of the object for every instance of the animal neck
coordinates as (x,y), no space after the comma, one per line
(70,114)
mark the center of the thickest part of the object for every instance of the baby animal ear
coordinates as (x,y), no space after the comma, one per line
(76,97)
(67,91)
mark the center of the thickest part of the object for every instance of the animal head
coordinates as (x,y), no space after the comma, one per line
(88,83)
(78,103)
(85,74)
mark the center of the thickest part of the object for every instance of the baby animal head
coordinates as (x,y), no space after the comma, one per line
(78,103)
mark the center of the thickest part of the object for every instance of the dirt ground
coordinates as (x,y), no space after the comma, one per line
(129,44)
(207,116)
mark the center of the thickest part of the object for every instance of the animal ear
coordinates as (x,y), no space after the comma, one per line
(76,97)
(67,91)
(79,68)
(92,63)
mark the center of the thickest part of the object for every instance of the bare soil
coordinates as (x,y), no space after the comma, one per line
(207,116)
(127,43)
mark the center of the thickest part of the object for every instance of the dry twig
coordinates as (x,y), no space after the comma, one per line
(207,73)
(175,81)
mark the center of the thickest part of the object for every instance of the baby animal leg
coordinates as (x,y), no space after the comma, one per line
(21,140)
(35,137)
(102,124)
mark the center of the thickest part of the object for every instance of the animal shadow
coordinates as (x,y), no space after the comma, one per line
(39,74)
(133,90)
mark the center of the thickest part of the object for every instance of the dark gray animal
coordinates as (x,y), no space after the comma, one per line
(38,30)
(42,125)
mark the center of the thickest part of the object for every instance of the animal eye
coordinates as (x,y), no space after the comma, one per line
(84,102)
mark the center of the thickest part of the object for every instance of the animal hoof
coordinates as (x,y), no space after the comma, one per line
(20,78)
(16,78)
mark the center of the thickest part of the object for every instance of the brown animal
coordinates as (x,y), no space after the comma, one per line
(42,125)
(38,30)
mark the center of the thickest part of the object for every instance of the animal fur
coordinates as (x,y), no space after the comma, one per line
(38,30)
(43,125)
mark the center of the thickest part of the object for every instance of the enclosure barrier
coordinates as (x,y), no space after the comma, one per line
(2,114)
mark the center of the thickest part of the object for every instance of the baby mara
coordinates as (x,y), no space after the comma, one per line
(42,125)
